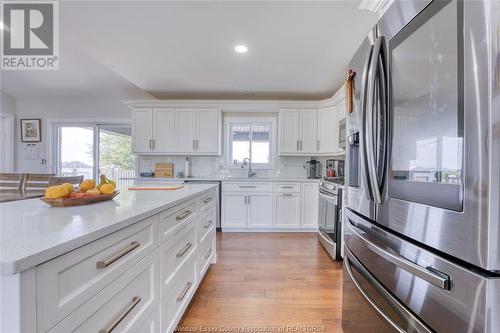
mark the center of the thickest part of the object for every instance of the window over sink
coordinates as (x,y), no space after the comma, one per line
(250,137)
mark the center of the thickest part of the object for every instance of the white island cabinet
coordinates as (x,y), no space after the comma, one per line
(131,264)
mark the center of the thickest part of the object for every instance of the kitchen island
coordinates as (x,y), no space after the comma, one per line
(132,256)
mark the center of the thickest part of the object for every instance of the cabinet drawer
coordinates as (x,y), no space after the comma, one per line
(124,304)
(287,187)
(206,200)
(247,187)
(68,281)
(206,252)
(175,253)
(178,296)
(173,220)
(206,223)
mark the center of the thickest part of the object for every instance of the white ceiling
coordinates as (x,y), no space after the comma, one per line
(184,49)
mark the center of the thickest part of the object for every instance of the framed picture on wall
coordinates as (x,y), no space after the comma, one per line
(31,130)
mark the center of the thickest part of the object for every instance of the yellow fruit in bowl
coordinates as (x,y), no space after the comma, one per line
(56,192)
(86,185)
(107,188)
(93,191)
(69,187)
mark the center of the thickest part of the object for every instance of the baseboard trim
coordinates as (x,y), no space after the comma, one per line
(227,229)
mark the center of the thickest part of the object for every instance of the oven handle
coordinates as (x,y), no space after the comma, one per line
(428,274)
(416,325)
(328,197)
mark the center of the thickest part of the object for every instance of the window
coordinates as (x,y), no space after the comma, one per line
(251,138)
(93,149)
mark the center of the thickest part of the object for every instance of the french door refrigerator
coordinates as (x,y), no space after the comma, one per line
(422,230)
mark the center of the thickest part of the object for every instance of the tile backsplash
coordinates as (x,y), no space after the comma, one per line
(285,166)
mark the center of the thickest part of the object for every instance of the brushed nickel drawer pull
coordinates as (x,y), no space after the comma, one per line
(287,194)
(184,292)
(209,253)
(206,226)
(247,186)
(115,257)
(184,250)
(207,200)
(117,321)
(291,187)
(183,215)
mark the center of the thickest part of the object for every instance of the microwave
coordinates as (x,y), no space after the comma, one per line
(342,133)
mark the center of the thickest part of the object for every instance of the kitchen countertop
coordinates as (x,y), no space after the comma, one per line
(226,179)
(31,232)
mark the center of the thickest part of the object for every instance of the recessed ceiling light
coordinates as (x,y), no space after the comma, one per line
(241,48)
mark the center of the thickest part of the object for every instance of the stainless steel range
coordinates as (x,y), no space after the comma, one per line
(330,216)
(422,218)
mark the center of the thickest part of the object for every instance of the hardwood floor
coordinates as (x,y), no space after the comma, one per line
(268,282)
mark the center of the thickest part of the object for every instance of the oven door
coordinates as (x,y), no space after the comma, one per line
(328,211)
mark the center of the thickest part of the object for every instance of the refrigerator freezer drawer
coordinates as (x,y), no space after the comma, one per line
(445,296)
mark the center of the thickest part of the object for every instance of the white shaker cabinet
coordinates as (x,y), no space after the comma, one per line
(175,131)
(297,131)
(288,210)
(142,130)
(328,133)
(186,130)
(234,209)
(165,138)
(310,202)
(260,210)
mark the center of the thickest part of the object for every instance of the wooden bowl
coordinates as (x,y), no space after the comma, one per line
(68,202)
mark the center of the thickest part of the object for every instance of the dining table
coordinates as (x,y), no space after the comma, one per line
(15,195)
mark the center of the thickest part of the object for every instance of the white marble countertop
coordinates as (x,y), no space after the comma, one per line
(227,179)
(31,232)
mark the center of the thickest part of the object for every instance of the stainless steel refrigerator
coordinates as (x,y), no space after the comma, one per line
(422,230)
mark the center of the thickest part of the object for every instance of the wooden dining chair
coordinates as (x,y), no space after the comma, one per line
(36,181)
(11,181)
(73,180)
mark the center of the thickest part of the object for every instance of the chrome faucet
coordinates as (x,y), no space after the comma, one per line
(247,161)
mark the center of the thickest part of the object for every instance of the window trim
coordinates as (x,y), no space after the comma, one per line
(250,120)
(54,151)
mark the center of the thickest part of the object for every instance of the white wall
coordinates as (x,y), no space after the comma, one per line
(62,111)
(7,132)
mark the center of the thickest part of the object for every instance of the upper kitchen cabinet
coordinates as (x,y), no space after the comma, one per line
(298,131)
(186,131)
(329,118)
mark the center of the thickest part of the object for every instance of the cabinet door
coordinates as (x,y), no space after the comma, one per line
(288,210)
(234,210)
(186,130)
(308,131)
(164,130)
(289,130)
(208,131)
(310,202)
(328,130)
(142,130)
(260,210)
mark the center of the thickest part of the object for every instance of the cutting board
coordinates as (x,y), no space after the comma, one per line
(155,188)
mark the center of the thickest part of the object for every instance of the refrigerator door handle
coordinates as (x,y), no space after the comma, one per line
(369,124)
(414,324)
(429,274)
(363,135)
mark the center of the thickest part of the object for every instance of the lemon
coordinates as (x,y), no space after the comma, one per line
(87,184)
(93,191)
(56,192)
(69,187)
(107,188)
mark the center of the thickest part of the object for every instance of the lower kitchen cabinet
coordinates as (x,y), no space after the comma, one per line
(310,205)
(258,205)
(234,210)
(288,210)
(260,210)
